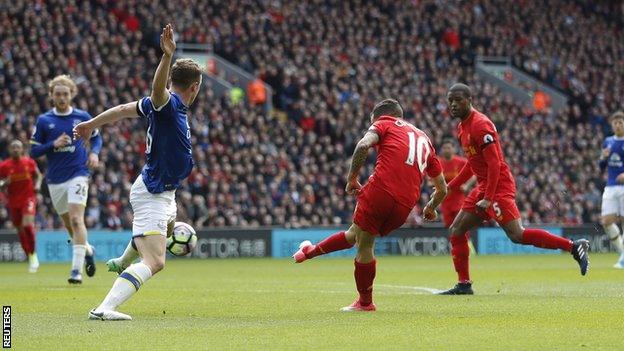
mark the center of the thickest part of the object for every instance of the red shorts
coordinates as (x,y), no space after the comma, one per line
(377,212)
(28,208)
(503,208)
(448,215)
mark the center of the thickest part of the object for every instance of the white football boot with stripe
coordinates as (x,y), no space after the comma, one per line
(108,316)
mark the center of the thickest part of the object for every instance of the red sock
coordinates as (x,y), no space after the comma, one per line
(543,239)
(364,275)
(27,239)
(334,242)
(29,230)
(461,252)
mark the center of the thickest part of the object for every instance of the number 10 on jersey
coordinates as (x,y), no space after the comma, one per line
(418,148)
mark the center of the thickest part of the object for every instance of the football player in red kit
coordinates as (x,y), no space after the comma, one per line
(404,155)
(494,195)
(452,164)
(22,177)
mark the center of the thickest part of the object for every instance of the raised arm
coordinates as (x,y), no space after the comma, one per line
(85,129)
(358,159)
(160,95)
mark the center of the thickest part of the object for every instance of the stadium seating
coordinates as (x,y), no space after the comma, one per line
(287,168)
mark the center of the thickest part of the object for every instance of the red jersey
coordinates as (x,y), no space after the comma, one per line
(20,173)
(476,133)
(451,168)
(404,155)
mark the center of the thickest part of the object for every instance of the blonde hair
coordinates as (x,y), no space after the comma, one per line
(64,80)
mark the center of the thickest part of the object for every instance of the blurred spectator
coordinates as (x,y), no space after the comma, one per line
(287,168)
(256,92)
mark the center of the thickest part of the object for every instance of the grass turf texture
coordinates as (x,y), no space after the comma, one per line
(522,303)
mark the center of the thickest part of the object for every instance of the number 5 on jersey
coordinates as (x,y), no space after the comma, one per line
(418,149)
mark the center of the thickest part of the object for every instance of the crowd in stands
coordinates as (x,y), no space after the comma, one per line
(327,62)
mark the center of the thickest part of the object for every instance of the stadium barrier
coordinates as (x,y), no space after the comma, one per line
(52,246)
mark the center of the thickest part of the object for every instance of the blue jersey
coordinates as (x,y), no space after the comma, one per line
(69,161)
(615,161)
(168,150)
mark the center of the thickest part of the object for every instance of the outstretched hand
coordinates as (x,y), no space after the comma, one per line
(167,44)
(83,130)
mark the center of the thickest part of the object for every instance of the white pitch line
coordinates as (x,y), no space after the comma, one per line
(418,288)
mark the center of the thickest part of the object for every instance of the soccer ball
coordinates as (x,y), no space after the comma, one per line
(183,240)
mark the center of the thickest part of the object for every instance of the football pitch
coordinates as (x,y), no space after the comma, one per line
(522,303)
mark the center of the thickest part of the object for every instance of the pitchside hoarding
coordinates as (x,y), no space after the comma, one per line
(404,242)
(10,248)
(232,243)
(494,241)
(52,246)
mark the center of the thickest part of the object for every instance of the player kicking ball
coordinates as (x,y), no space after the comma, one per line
(22,178)
(405,155)
(169,161)
(494,195)
(68,168)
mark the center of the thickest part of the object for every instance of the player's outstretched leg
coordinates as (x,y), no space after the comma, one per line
(460,252)
(545,240)
(364,273)
(334,242)
(152,249)
(122,262)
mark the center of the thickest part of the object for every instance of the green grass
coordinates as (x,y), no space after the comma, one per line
(522,303)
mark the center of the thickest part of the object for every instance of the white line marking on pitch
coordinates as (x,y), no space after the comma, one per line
(418,288)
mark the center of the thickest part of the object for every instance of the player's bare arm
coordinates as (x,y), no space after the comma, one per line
(493,164)
(429,212)
(357,161)
(37,178)
(160,95)
(85,129)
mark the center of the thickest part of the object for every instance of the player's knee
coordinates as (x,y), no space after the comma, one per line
(76,221)
(351,236)
(607,221)
(455,229)
(156,265)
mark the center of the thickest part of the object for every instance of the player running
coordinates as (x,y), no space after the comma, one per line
(405,154)
(21,175)
(494,196)
(169,161)
(68,168)
(612,158)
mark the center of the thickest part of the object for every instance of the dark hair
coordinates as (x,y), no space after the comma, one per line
(448,140)
(616,115)
(462,88)
(388,107)
(184,73)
